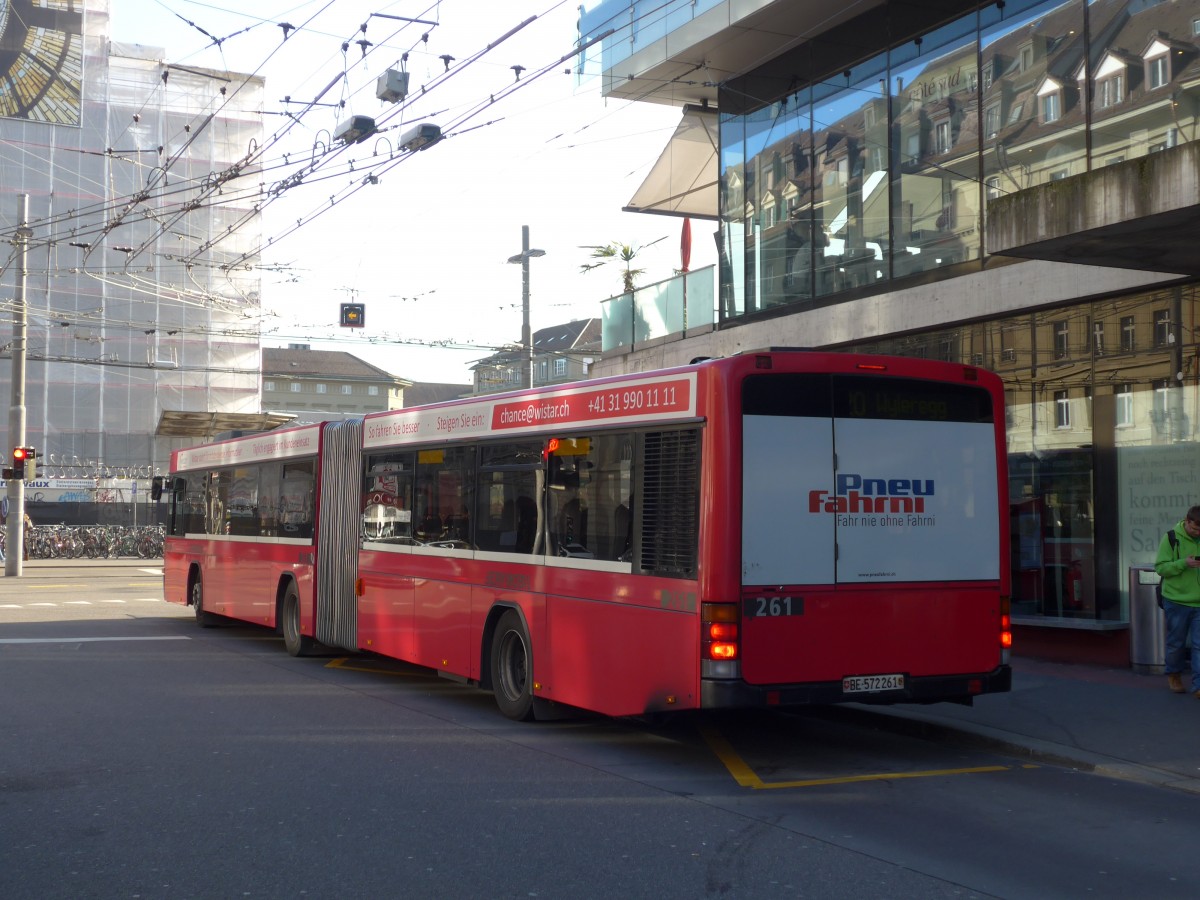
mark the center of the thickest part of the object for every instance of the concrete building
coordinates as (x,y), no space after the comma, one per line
(326,385)
(141,188)
(1012,185)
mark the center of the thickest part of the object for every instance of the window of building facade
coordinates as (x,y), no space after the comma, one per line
(1160,404)
(372,390)
(1062,334)
(1162,327)
(1170,139)
(942,136)
(1062,409)
(1128,331)
(1110,91)
(321,388)
(560,367)
(294,387)
(1051,107)
(1158,71)
(1125,405)
(268,385)
(347,389)
(991,120)
(1098,338)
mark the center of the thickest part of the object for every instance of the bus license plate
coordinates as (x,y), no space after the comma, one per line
(860,684)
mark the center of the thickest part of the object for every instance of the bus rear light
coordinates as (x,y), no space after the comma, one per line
(1006,637)
(720,668)
(723,651)
(720,631)
(872,367)
(718,612)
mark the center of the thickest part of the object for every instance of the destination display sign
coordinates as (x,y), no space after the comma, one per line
(259,448)
(634,401)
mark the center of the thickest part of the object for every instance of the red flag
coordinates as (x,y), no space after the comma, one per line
(685,245)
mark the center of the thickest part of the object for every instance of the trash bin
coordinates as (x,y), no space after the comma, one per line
(1147,632)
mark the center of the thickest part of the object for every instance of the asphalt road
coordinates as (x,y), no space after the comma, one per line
(145,757)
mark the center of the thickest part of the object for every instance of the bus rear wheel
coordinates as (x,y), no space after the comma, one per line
(297,644)
(203,619)
(511,668)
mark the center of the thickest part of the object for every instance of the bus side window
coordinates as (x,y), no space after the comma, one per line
(591,496)
(296,500)
(506,513)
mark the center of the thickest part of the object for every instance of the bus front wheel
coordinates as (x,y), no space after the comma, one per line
(511,668)
(297,644)
(203,619)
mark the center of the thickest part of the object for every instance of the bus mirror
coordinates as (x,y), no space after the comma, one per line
(179,488)
(156,488)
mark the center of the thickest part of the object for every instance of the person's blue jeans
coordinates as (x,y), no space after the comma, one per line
(1183,639)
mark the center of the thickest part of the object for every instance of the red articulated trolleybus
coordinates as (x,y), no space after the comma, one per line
(776,528)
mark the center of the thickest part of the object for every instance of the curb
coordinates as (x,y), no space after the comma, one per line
(1018,746)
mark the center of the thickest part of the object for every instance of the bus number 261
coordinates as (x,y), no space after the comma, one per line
(771,607)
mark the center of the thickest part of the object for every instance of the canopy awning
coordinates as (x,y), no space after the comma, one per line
(684,180)
(177,423)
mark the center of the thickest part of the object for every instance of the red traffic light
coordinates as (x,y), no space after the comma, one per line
(20,453)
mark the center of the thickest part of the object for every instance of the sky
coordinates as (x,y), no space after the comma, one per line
(426,248)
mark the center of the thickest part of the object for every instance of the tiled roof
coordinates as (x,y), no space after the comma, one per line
(420,393)
(279,361)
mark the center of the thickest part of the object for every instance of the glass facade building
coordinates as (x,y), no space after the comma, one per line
(140,193)
(856,166)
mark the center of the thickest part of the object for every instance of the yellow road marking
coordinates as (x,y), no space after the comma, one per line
(746,777)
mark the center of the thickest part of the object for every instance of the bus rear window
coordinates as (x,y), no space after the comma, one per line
(864,397)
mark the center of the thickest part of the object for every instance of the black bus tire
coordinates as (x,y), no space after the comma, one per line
(297,644)
(511,666)
(203,619)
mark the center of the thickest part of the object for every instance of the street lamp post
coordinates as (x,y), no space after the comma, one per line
(526,334)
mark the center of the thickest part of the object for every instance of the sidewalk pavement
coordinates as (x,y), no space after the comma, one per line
(1107,721)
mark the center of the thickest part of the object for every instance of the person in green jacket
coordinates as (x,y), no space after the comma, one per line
(1179,568)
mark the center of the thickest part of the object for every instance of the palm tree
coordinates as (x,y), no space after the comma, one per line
(625,253)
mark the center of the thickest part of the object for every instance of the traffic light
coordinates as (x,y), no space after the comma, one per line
(353,315)
(24,467)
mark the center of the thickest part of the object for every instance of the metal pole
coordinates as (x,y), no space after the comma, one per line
(526,332)
(15,531)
